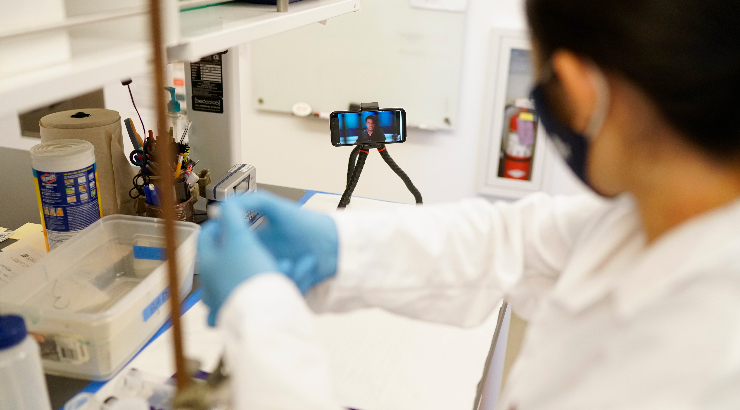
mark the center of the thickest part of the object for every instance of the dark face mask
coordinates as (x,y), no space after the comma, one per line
(572,145)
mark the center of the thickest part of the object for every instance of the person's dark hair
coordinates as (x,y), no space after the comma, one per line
(684,54)
(373,118)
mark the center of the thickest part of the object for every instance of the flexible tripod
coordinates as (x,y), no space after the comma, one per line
(357,162)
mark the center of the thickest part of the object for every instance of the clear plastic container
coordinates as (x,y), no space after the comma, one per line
(98,298)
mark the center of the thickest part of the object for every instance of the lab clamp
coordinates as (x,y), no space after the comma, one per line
(357,162)
(213,393)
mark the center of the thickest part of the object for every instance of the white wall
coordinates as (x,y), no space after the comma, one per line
(10,133)
(296,152)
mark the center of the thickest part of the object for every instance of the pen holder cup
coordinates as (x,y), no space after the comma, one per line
(183,211)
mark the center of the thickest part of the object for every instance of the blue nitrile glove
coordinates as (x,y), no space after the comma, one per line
(305,243)
(228,254)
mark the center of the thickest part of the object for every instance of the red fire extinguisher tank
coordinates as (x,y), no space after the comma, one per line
(519,145)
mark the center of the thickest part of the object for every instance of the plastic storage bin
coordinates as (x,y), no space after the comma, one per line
(99,297)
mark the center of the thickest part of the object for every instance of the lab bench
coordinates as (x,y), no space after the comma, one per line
(25,209)
(61,389)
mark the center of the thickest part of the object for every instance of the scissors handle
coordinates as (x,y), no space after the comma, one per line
(134,192)
(138,158)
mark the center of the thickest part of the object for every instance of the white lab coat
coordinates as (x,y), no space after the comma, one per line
(613,323)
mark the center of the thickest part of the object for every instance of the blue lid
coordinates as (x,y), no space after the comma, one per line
(12,331)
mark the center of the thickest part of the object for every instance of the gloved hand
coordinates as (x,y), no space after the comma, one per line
(305,243)
(228,254)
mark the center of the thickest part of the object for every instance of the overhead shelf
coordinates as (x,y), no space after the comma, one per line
(93,62)
(122,50)
(209,30)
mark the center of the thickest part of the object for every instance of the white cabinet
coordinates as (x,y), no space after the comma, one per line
(108,40)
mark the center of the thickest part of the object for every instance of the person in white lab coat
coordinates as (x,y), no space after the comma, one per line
(632,296)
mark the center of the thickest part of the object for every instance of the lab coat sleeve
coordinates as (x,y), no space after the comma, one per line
(453,263)
(272,349)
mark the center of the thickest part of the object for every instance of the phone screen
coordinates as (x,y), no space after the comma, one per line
(386,126)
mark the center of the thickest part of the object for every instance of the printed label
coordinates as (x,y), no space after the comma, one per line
(152,308)
(68,201)
(206,79)
(64,349)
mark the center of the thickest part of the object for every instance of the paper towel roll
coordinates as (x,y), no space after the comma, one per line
(102,128)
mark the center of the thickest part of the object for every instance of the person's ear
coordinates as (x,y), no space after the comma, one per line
(576,77)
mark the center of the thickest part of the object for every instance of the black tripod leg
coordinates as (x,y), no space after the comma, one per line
(351,165)
(347,195)
(406,180)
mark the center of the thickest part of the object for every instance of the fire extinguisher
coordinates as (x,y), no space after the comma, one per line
(519,143)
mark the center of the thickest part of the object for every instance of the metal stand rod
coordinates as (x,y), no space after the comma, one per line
(482,383)
(282,6)
(164,157)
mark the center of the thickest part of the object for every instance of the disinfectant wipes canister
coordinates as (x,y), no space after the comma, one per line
(66,188)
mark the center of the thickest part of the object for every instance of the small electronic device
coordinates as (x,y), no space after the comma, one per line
(383,126)
(238,180)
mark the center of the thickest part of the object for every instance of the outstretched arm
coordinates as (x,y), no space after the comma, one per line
(446,263)
(453,263)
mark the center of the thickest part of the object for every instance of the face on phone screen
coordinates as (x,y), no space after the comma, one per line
(351,127)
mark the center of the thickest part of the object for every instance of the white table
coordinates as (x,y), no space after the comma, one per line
(378,360)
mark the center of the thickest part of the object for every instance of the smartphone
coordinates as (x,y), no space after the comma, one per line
(386,126)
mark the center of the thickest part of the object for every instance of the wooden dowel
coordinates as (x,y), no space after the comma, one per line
(164,158)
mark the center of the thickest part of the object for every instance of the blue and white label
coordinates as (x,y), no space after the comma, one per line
(157,303)
(68,202)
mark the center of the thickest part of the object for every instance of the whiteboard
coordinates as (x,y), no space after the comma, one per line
(390,52)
